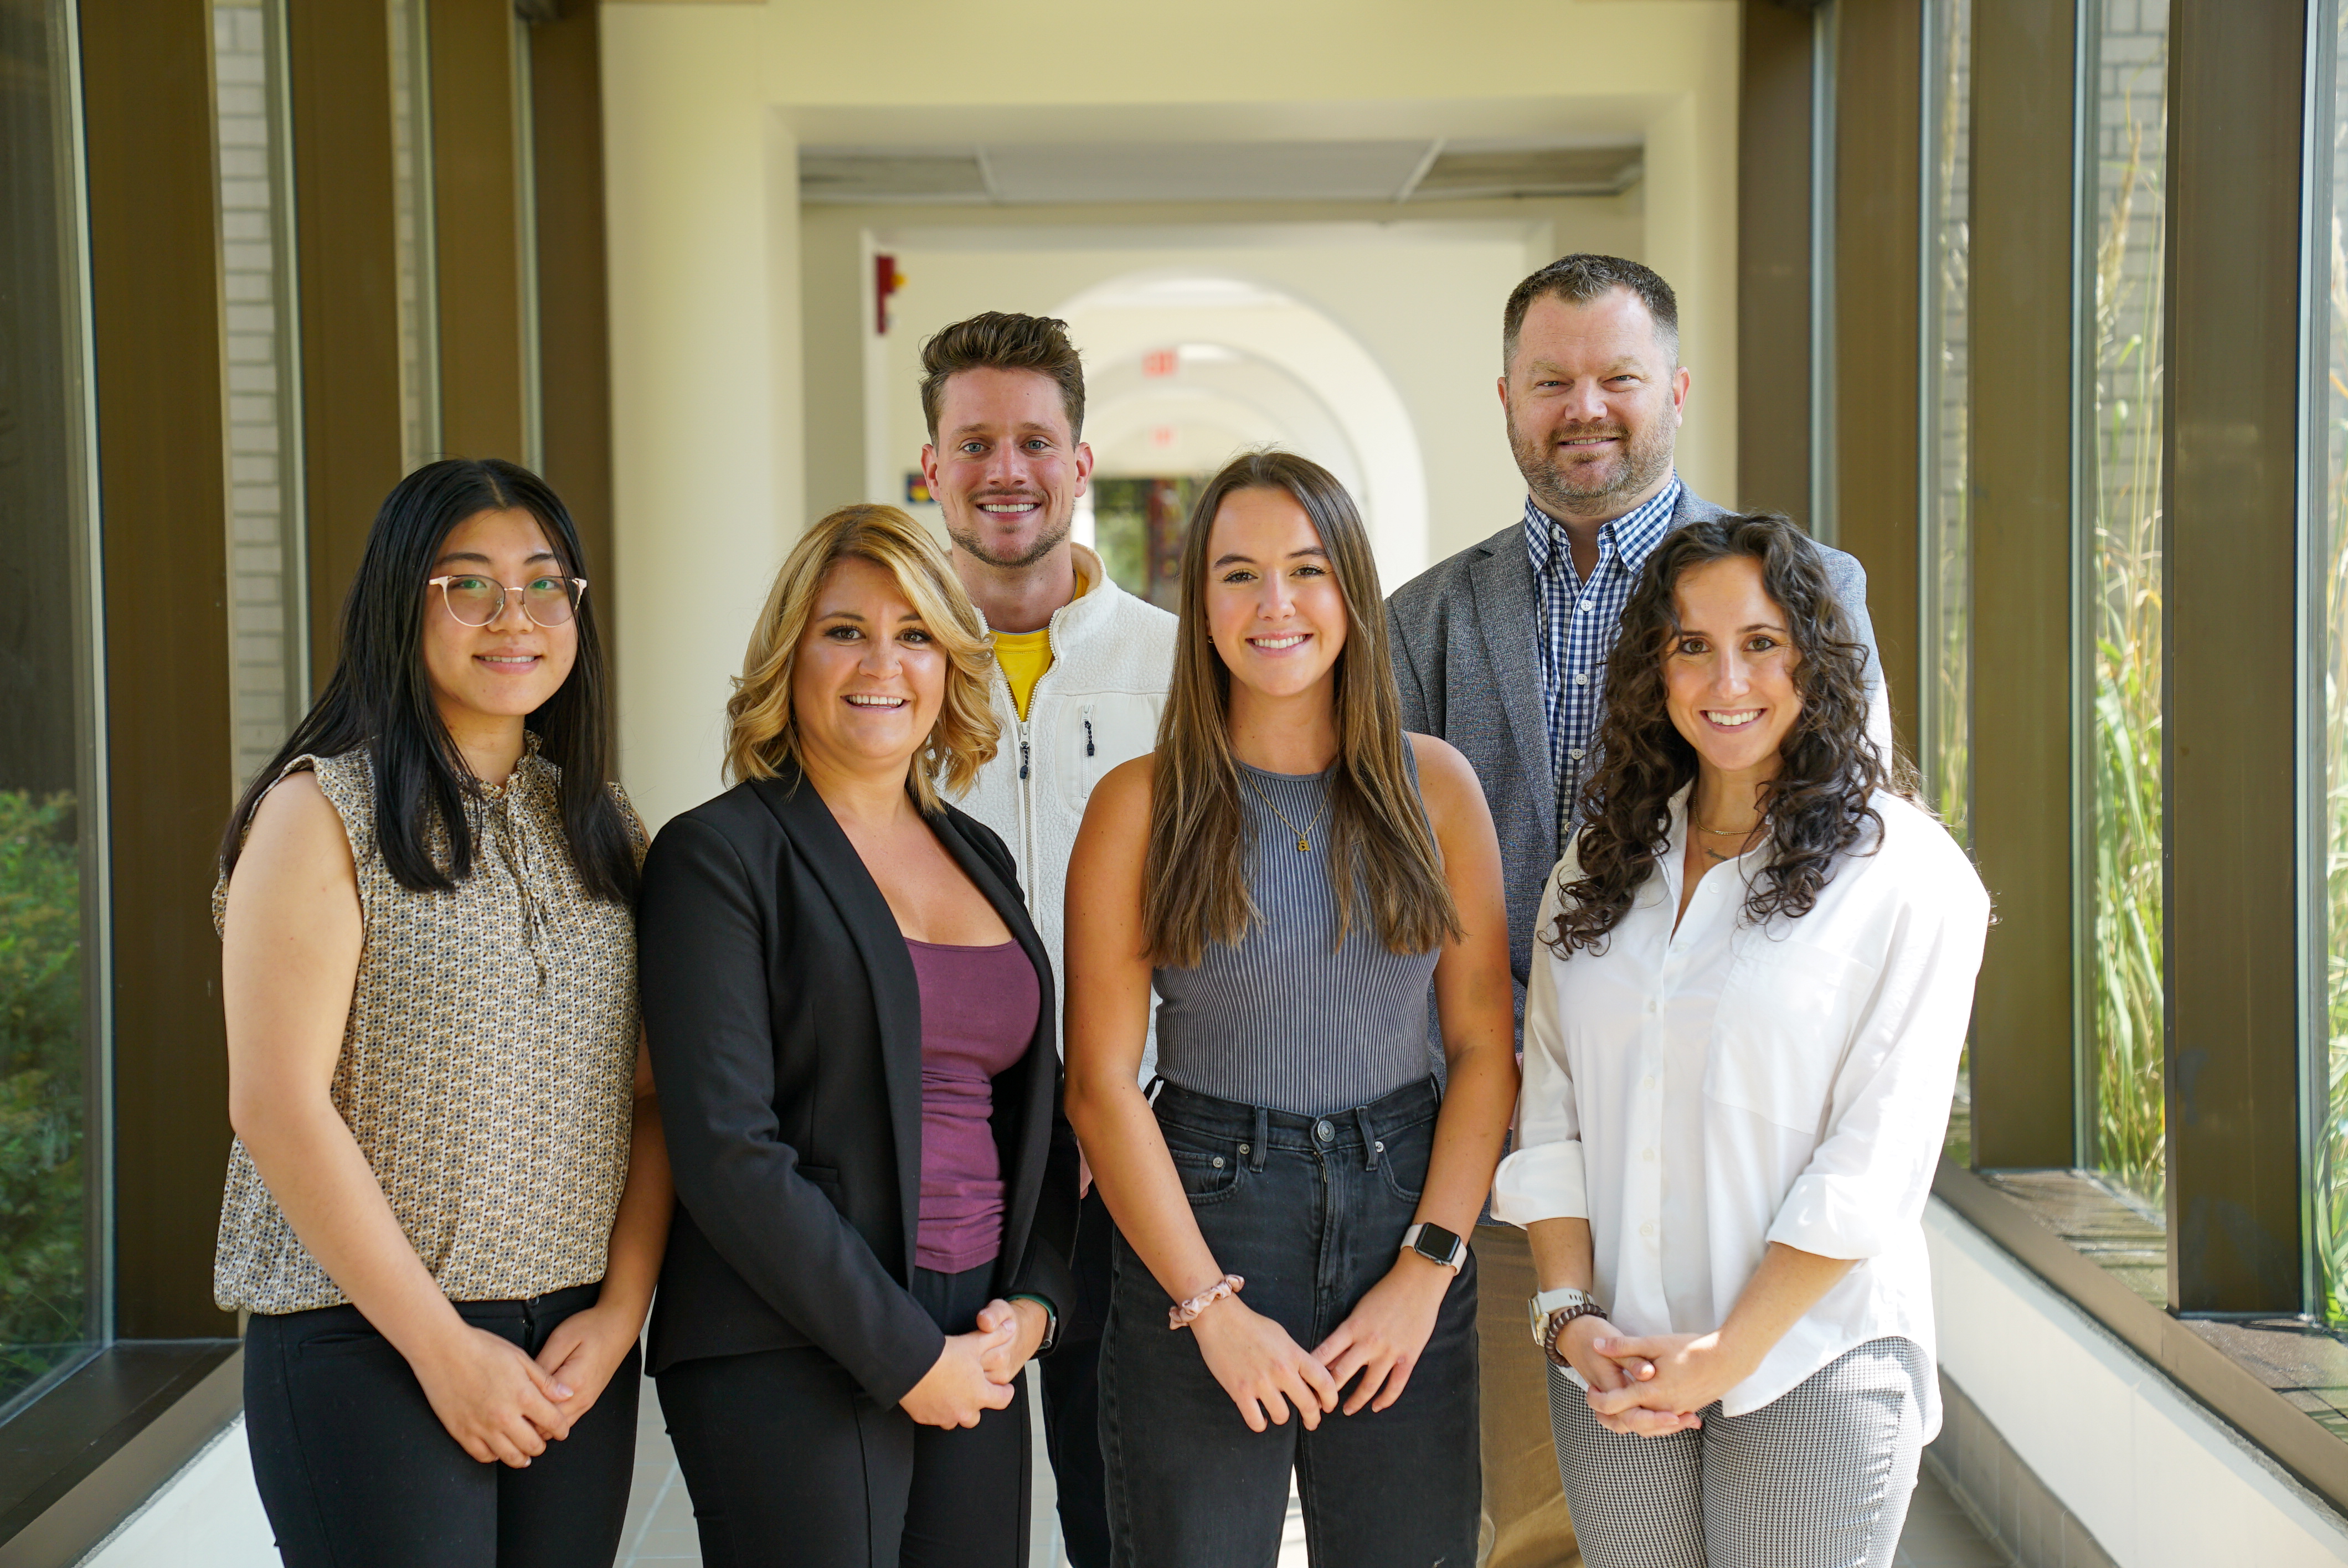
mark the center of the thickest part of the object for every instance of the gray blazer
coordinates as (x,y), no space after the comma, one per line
(1464,636)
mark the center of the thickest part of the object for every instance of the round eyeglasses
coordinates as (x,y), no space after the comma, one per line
(477,600)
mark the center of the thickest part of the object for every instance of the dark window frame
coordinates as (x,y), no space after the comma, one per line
(2232,1323)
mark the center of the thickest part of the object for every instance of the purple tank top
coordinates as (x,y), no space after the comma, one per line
(978,1016)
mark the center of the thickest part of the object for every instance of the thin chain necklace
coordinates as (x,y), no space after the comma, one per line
(1745,836)
(1303,840)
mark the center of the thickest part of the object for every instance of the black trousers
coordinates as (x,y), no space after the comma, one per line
(788,1461)
(1072,1393)
(355,1470)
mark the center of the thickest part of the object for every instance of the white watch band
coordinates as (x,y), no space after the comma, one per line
(1455,1263)
(1549,1301)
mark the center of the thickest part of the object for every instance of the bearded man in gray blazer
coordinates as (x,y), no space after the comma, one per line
(1501,651)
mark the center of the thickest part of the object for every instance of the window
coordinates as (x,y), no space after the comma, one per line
(2120,620)
(52,1299)
(1947,576)
(2329,527)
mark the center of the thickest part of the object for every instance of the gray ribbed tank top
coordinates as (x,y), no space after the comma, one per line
(1278,1018)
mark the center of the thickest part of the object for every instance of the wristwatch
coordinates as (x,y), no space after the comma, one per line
(1051,1322)
(1551,1310)
(1436,1244)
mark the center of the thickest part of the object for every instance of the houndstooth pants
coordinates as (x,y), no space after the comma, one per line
(1818,1478)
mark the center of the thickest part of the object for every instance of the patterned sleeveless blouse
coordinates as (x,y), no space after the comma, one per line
(488,1068)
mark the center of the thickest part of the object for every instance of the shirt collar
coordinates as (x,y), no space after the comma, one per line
(1635,534)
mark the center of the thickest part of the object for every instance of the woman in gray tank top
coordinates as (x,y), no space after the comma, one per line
(1291,871)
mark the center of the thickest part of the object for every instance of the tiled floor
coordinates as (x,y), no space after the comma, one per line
(660,1517)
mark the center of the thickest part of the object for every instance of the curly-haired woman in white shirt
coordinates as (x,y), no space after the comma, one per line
(1739,1049)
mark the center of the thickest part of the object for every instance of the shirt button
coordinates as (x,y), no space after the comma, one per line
(1646,1155)
(1580,678)
(1654,1005)
(1581,608)
(1575,753)
(1322,1131)
(1648,1229)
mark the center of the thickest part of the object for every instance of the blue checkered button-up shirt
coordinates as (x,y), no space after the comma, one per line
(1578,622)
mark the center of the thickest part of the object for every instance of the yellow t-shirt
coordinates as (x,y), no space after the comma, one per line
(1025,655)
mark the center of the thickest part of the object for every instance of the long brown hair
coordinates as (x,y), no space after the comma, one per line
(1197,888)
(761,736)
(1816,805)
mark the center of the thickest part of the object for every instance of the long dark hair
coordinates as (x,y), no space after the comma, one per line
(379,696)
(1816,805)
(1196,880)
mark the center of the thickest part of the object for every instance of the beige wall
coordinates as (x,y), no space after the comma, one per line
(741,396)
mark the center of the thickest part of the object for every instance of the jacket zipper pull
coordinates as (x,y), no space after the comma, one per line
(1088,730)
(1023,752)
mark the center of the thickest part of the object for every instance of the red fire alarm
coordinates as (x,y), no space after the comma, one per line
(886,281)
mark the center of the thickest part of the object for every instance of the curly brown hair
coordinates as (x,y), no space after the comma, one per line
(1816,805)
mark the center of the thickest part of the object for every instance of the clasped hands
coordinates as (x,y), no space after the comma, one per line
(1649,1385)
(1265,1371)
(978,1372)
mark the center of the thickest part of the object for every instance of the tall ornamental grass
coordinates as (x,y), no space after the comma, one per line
(2125,934)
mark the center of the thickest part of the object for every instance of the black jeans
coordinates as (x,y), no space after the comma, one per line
(1072,1393)
(355,1470)
(1310,1211)
(788,1461)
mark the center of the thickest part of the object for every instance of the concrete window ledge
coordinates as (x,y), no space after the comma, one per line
(2146,1473)
(91,1450)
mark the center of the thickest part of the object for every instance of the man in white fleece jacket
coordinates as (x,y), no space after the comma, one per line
(1083,672)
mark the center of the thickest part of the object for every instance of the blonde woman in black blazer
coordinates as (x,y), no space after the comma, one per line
(832,1400)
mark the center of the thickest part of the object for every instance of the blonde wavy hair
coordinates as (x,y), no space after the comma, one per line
(761,738)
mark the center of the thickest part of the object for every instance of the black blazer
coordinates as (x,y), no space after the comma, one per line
(783,1022)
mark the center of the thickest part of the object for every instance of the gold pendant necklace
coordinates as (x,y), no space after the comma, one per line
(1303,843)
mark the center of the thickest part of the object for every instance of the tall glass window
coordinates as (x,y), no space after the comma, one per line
(51,811)
(2121,615)
(267,607)
(2330,530)
(1947,565)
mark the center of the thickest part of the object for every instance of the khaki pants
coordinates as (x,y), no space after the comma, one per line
(1524,1523)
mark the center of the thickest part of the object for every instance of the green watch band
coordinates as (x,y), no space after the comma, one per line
(1051,1320)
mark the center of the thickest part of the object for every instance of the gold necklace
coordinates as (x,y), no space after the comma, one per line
(1746,836)
(1303,843)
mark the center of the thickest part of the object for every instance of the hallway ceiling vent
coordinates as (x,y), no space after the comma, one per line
(882,174)
(1464,169)
(1061,173)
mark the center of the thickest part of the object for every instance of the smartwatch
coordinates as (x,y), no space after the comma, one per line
(1436,1244)
(1051,1323)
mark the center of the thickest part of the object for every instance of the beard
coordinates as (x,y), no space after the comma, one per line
(972,540)
(1587,489)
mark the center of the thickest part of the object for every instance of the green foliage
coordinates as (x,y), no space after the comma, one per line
(42,1238)
(2125,997)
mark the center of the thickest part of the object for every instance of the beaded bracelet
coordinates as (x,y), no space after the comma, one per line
(1181,1316)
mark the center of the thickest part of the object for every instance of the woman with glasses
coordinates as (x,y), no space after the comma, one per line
(1292,873)
(852,1019)
(1739,1049)
(449,1194)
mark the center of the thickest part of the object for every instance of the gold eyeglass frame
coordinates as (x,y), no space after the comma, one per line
(579,583)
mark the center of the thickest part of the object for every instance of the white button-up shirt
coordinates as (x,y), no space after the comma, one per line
(1697,1094)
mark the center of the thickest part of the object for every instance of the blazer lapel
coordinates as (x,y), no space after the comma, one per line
(887,969)
(1503,582)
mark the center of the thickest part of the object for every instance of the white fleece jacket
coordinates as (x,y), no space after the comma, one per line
(1095,707)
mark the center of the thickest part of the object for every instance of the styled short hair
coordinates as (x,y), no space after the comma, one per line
(761,736)
(1583,277)
(1004,340)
